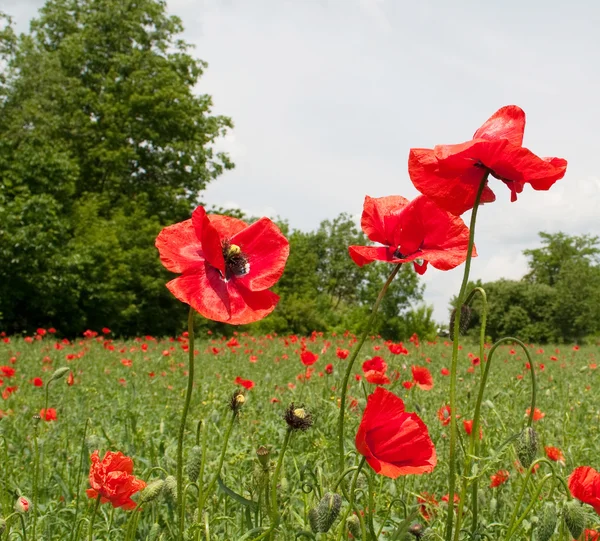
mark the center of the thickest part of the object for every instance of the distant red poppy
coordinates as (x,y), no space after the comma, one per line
(37,382)
(444,415)
(499,478)
(397,349)
(112,479)
(554,453)
(9,391)
(48,415)
(70,379)
(446,498)
(408,384)
(584,484)
(246,383)
(445,372)
(8,371)
(226,265)
(329,369)
(411,231)
(468,426)
(377,377)
(537,414)
(427,504)
(451,174)
(393,441)
(308,358)
(422,377)
(342,353)
(376,363)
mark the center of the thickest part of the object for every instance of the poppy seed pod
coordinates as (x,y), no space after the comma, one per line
(547,524)
(237,401)
(262,453)
(328,510)
(193,463)
(353,525)
(574,518)
(527,446)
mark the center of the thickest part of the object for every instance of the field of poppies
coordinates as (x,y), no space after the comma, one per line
(126,396)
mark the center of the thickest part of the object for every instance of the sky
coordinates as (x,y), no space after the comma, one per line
(328,96)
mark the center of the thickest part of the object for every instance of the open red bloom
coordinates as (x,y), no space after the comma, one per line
(8,371)
(444,415)
(393,441)
(468,426)
(376,377)
(376,363)
(584,484)
(499,478)
(37,382)
(451,174)
(554,453)
(49,414)
(246,383)
(591,535)
(398,349)
(422,377)
(411,231)
(537,414)
(329,369)
(226,265)
(342,353)
(308,358)
(112,479)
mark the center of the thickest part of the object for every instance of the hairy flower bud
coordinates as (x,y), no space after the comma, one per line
(465,319)
(193,463)
(527,446)
(574,518)
(22,505)
(59,373)
(547,523)
(152,491)
(328,510)
(170,487)
(313,520)
(353,525)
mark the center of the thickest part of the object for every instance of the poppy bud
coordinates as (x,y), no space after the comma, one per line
(237,401)
(151,491)
(298,418)
(154,531)
(22,505)
(58,373)
(527,446)
(574,518)
(465,319)
(262,453)
(328,510)
(547,523)
(171,486)
(313,520)
(193,463)
(353,524)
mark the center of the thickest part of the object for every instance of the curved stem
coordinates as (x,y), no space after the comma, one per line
(355,353)
(454,365)
(94,512)
(186,407)
(351,500)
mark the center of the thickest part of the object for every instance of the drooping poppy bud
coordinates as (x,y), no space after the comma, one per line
(193,463)
(328,510)
(574,518)
(527,446)
(547,523)
(353,525)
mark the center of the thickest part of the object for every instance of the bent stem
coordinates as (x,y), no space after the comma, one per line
(186,406)
(454,366)
(355,353)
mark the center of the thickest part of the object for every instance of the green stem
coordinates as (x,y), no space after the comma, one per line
(186,407)
(454,365)
(215,478)
(36,472)
(351,501)
(78,485)
(94,512)
(534,499)
(355,353)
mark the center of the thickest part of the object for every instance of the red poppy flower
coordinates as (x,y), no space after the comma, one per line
(584,484)
(49,414)
(407,384)
(329,369)
(246,383)
(393,441)
(427,504)
(445,372)
(468,426)
(444,415)
(112,479)
(554,453)
(8,391)
(70,379)
(377,377)
(397,349)
(422,377)
(411,231)
(499,478)
(8,371)
(342,353)
(451,174)
(308,358)
(537,414)
(226,265)
(37,382)
(591,535)
(376,363)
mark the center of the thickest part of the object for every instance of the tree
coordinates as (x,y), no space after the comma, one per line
(102,142)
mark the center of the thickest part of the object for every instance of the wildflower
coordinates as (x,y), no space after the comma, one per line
(397,349)
(411,231)
(451,174)
(111,478)
(298,418)
(308,358)
(37,382)
(342,353)
(499,478)
(8,371)
(427,504)
(444,415)
(226,265)
(376,363)
(376,377)
(422,377)
(555,454)
(246,383)
(22,505)
(329,369)
(393,441)
(537,414)
(584,484)
(468,426)
(48,414)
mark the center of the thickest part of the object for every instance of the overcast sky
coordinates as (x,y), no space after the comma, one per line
(327,97)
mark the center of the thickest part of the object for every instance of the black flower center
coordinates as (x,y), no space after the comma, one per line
(236,261)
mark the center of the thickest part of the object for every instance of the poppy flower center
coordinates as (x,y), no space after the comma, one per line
(236,261)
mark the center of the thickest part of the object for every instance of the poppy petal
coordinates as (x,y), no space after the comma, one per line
(212,246)
(363,255)
(506,123)
(267,251)
(226,226)
(179,247)
(380,217)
